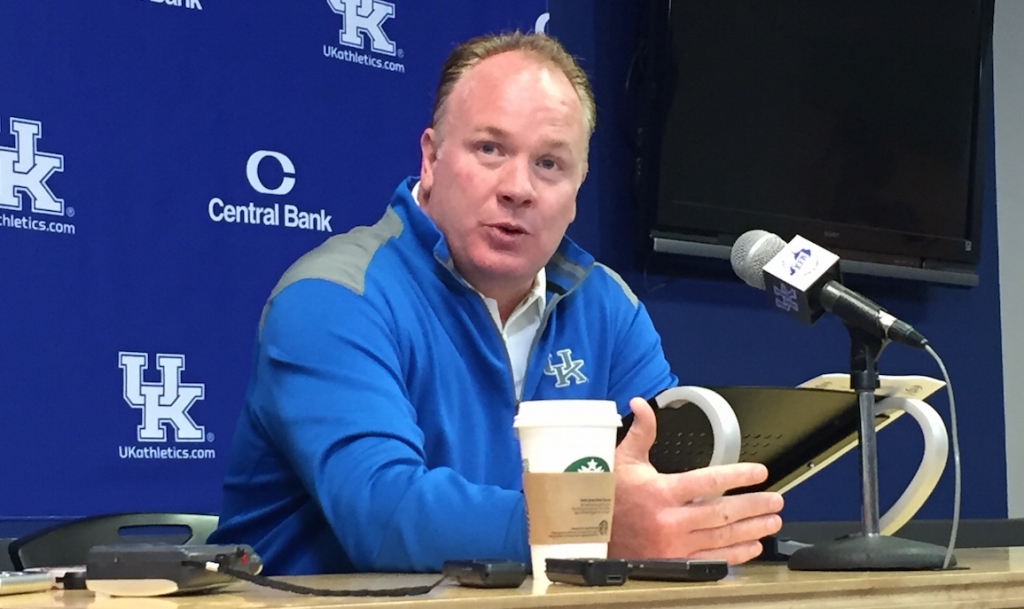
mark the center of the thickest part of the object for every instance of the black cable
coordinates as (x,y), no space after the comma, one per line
(260,580)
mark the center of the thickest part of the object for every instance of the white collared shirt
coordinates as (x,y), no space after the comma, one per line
(523,324)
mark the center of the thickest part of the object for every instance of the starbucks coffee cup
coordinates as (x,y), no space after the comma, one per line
(568,452)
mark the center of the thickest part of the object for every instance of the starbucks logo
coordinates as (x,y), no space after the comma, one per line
(588,465)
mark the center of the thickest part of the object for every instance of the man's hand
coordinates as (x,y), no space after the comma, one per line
(684,515)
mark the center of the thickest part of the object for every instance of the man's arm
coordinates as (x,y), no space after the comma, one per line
(639,367)
(340,411)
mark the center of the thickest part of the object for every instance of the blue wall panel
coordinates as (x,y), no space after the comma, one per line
(156,111)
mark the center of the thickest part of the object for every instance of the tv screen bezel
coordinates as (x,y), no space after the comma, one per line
(700,222)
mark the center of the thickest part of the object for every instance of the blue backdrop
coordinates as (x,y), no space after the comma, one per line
(162,162)
(170,160)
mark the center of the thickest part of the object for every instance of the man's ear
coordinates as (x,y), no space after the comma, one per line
(428,149)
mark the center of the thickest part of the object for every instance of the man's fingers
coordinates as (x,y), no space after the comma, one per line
(750,529)
(723,511)
(714,480)
(636,446)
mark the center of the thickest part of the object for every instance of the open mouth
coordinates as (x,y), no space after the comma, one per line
(509,229)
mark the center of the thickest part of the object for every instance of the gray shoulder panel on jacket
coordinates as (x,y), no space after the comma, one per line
(622,284)
(342,259)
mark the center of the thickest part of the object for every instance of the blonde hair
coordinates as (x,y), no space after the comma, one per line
(475,50)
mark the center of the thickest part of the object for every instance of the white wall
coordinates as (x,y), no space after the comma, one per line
(1008,72)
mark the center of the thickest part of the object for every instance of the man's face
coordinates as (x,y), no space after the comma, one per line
(502,168)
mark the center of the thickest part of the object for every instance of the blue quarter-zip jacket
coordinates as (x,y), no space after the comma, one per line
(377,428)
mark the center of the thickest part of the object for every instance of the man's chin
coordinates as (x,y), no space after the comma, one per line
(497,269)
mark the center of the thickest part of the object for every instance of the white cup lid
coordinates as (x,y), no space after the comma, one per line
(567,413)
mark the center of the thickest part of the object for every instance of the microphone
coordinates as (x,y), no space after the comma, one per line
(803,280)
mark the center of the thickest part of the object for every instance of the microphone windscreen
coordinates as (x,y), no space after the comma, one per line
(751,251)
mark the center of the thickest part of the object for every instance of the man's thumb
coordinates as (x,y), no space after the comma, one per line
(640,437)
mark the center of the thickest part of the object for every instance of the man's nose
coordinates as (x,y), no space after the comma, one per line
(516,186)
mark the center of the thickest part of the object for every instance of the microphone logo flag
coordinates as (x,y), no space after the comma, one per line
(794,273)
(800,256)
(801,263)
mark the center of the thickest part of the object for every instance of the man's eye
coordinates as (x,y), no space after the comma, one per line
(488,148)
(548,164)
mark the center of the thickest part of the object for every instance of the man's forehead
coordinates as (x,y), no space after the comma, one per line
(513,83)
(513,70)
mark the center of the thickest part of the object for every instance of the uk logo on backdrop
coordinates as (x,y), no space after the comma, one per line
(164,408)
(363,38)
(26,199)
(269,212)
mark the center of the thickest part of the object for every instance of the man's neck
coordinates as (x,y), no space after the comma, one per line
(507,298)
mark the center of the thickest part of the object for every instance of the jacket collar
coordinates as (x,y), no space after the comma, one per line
(569,265)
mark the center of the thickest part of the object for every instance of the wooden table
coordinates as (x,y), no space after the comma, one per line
(990,578)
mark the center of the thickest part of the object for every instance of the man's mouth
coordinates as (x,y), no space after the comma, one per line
(509,228)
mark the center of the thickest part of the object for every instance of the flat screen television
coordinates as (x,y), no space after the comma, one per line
(860,125)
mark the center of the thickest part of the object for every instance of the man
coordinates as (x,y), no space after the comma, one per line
(377,433)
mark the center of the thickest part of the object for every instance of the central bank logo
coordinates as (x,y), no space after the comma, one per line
(24,170)
(541,25)
(165,404)
(274,214)
(363,20)
(252,172)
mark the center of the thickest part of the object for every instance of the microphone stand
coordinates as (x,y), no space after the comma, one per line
(868,550)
